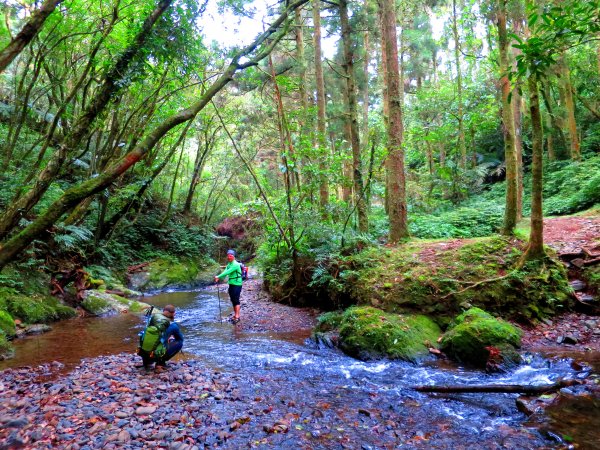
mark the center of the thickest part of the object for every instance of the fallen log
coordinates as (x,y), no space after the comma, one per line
(137,267)
(498,388)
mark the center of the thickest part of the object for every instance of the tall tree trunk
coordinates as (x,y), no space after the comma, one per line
(510,154)
(566,95)
(535,249)
(517,102)
(365,96)
(462,146)
(554,124)
(321,109)
(27,33)
(253,54)
(352,117)
(395,159)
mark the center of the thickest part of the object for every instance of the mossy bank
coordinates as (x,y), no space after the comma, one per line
(442,279)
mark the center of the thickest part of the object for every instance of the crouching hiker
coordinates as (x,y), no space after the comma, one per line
(161,339)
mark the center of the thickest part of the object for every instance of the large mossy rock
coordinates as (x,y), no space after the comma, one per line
(39,309)
(169,272)
(473,333)
(100,303)
(439,279)
(368,333)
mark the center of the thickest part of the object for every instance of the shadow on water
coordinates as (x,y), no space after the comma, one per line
(290,358)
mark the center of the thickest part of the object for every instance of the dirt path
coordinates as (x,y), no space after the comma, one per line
(572,332)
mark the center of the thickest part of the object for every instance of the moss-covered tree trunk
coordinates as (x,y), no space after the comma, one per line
(110,85)
(535,249)
(253,53)
(27,33)
(566,96)
(396,195)
(510,154)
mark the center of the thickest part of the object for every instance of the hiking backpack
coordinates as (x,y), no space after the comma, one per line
(244,270)
(152,337)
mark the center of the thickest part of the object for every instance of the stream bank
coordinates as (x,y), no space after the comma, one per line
(260,384)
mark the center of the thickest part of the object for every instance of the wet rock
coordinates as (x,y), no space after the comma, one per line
(570,339)
(578,285)
(16,423)
(145,410)
(37,328)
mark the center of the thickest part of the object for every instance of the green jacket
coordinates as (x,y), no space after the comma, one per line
(234,271)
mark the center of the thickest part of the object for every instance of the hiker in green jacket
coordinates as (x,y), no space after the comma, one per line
(233,270)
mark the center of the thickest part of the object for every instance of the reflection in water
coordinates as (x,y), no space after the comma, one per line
(289,357)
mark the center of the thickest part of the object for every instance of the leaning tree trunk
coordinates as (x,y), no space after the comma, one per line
(27,33)
(535,249)
(253,54)
(510,155)
(109,87)
(396,194)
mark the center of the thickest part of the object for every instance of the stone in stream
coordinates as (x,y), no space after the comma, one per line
(578,285)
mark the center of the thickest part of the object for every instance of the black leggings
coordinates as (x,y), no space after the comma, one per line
(234,294)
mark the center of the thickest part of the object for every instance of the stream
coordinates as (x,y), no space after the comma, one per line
(290,366)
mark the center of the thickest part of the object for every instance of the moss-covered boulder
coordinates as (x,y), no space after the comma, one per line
(438,278)
(367,333)
(6,349)
(33,309)
(7,324)
(475,335)
(100,303)
(170,272)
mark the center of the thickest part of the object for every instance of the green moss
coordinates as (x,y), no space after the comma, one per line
(6,349)
(435,278)
(42,309)
(473,331)
(96,304)
(366,332)
(7,324)
(329,321)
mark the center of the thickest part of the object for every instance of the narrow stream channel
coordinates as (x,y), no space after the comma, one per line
(295,361)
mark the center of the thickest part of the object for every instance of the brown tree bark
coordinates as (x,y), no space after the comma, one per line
(535,249)
(351,115)
(566,96)
(321,108)
(395,160)
(510,155)
(27,33)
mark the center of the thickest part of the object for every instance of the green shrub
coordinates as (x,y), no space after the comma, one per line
(34,310)
(7,324)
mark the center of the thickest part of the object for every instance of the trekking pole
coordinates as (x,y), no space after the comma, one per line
(219,297)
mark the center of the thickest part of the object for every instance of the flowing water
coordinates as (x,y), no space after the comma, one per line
(323,373)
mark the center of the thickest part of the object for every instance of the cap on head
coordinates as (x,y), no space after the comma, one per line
(231,252)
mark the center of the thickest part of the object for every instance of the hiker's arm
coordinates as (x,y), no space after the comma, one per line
(227,271)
